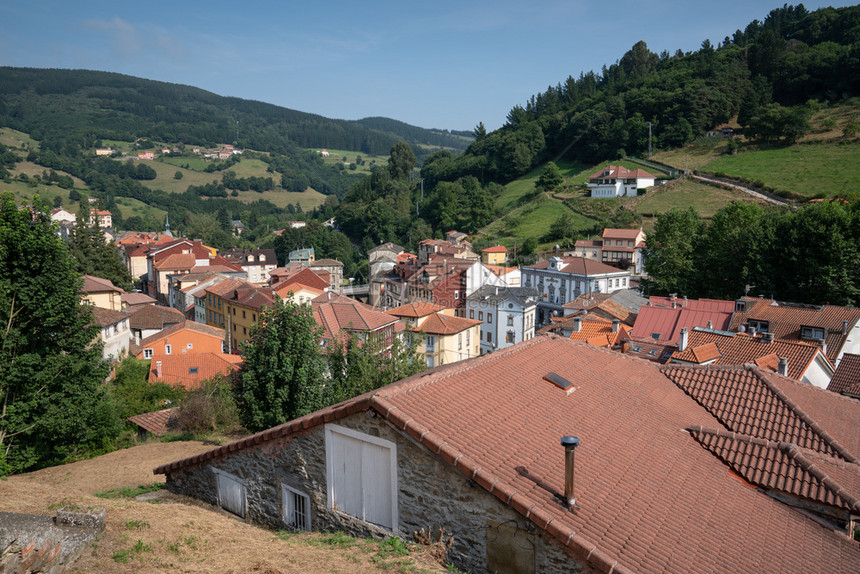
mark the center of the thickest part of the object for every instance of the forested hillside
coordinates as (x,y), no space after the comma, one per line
(763,75)
(73,108)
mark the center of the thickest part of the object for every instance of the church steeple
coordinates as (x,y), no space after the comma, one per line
(167,225)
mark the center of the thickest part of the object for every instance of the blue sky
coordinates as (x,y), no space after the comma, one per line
(441,64)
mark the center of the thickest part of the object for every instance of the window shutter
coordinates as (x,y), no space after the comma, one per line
(231,494)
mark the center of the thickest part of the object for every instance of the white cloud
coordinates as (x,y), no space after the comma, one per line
(125,40)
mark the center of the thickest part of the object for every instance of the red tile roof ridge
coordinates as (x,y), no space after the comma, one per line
(762,376)
(804,416)
(801,456)
(803,460)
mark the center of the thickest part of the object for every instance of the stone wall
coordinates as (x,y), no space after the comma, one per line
(430,494)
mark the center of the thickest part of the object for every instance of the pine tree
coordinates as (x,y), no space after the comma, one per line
(94,256)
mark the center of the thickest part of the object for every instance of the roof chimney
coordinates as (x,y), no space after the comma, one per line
(615,324)
(767,338)
(158,369)
(845,326)
(569,443)
(823,344)
(782,369)
(710,325)
(685,301)
(577,324)
(682,340)
(752,331)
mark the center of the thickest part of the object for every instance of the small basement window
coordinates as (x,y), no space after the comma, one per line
(296,508)
(231,493)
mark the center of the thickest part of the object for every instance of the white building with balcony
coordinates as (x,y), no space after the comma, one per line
(562,279)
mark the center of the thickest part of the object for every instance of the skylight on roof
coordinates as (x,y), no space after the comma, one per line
(560,381)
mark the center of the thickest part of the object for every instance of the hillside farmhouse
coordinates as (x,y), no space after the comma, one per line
(618,181)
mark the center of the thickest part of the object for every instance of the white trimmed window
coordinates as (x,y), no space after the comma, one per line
(147,353)
(168,349)
(231,493)
(296,507)
(361,472)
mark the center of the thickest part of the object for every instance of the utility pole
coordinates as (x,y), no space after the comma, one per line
(649,140)
(417,203)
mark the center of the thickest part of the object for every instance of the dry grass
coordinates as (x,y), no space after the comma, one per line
(183,535)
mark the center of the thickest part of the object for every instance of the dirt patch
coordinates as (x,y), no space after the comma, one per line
(176,534)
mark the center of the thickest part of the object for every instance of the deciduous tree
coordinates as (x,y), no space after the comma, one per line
(282,376)
(52,402)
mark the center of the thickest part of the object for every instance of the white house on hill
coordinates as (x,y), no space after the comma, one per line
(618,181)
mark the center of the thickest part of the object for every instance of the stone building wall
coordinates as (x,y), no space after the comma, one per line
(430,494)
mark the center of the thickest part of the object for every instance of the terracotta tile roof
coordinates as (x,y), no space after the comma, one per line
(252,296)
(648,498)
(742,348)
(705,353)
(226,287)
(616,171)
(614,233)
(439,324)
(153,316)
(667,322)
(694,304)
(107,317)
(301,275)
(326,263)
(133,299)
(601,304)
(495,249)
(296,286)
(588,243)
(176,261)
(649,349)
(98,285)
(783,467)
(846,379)
(579,266)
(598,332)
(500,270)
(336,313)
(833,412)
(414,310)
(155,422)
(191,369)
(746,401)
(786,319)
(196,327)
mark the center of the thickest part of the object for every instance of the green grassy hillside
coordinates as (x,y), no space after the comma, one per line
(822,164)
